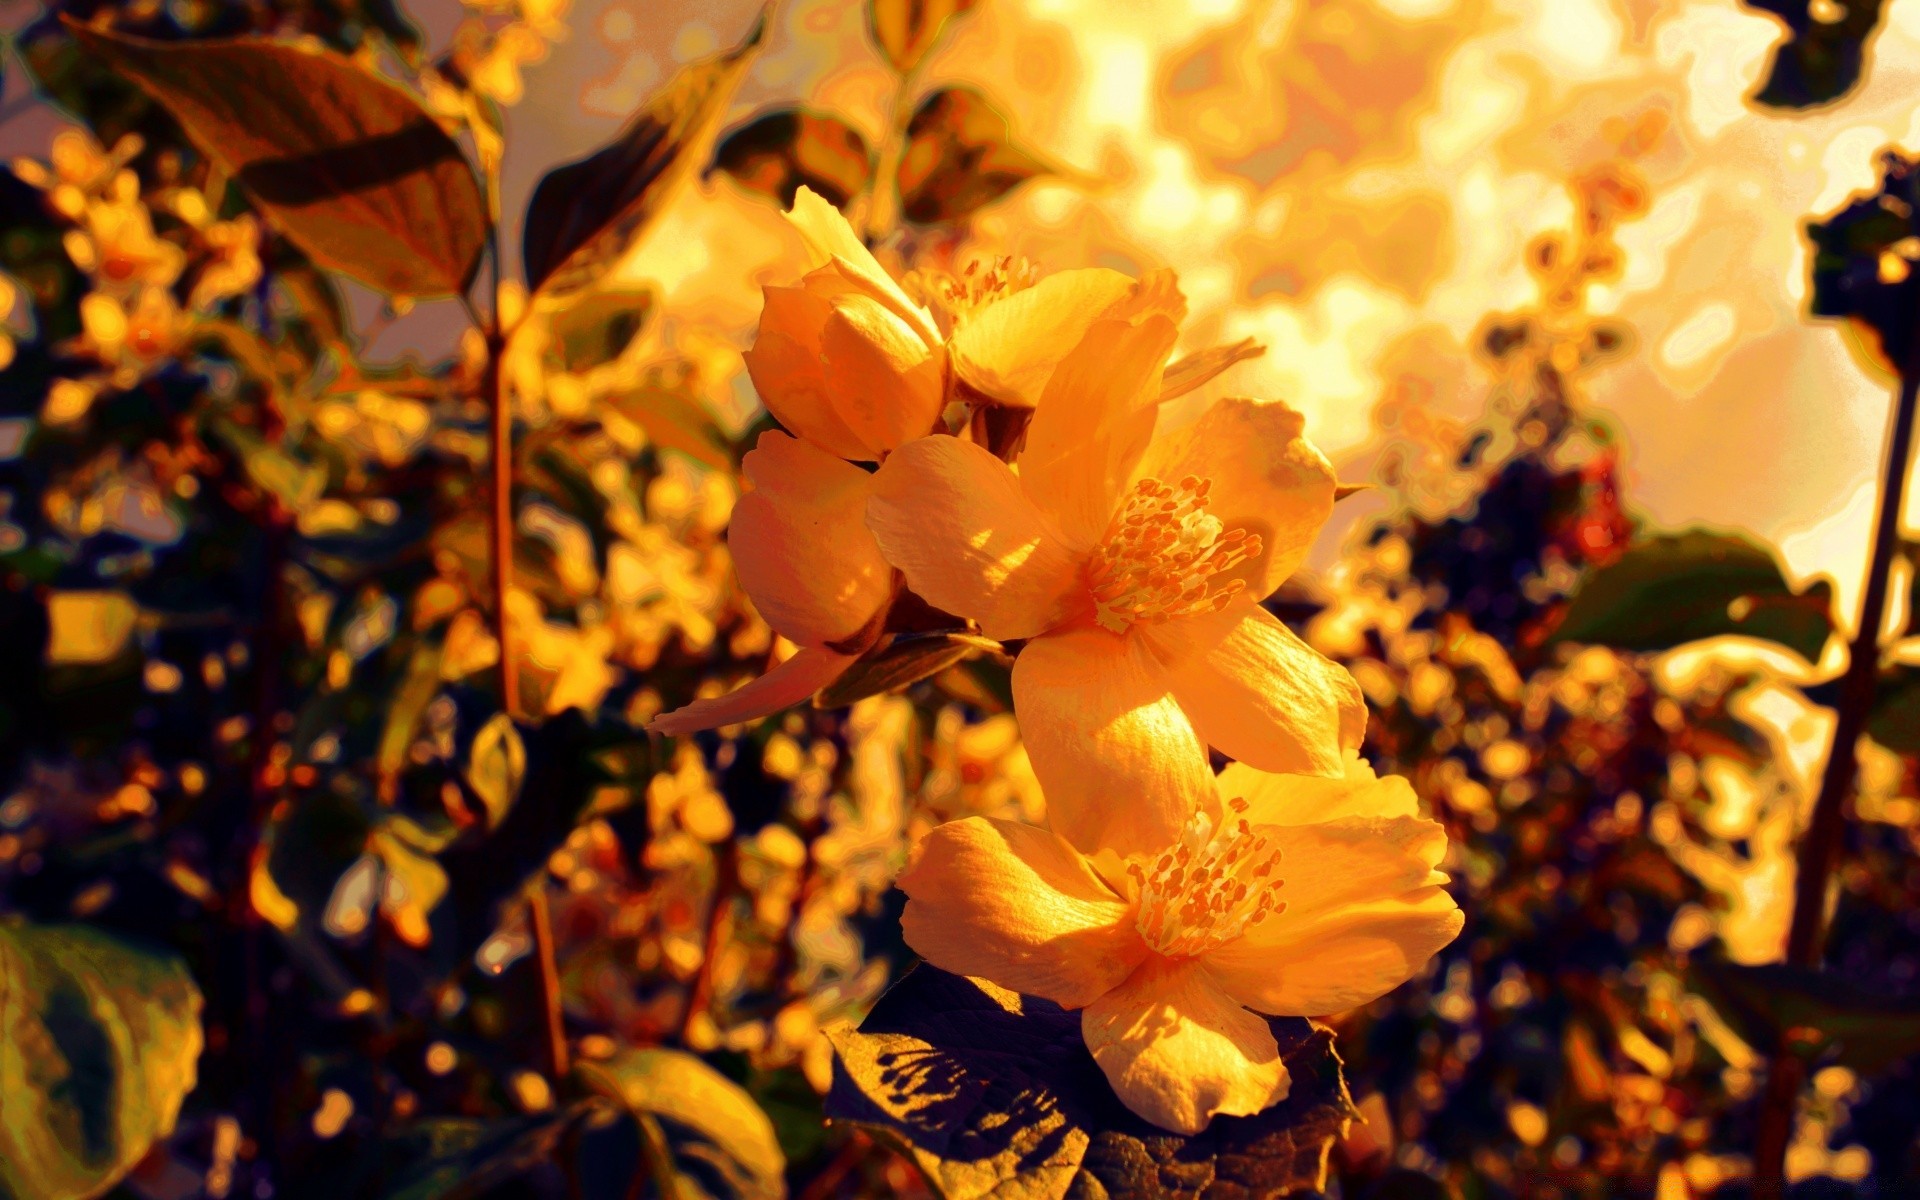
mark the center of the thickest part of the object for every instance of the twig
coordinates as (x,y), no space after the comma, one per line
(726,876)
(1819,849)
(827,1182)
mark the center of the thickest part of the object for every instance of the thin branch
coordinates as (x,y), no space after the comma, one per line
(1819,849)
(726,877)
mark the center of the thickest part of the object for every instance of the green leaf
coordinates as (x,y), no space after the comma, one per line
(99,1044)
(901,663)
(994,1094)
(1815,1014)
(712,1126)
(295,484)
(455,1158)
(906,29)
(496,766)
(960,157)
(1864,261)
(1676,588)
(597,327)
(347,164)
(585,215)
(669,411)
(1895,719)
(1821,57)
(782,149)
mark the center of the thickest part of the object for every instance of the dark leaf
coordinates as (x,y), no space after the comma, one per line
(1895,720)
(1675,588)
(99,1044)
(901,663)
(454,1158)
(906,29)
(347,164)
(717,1137)
(1821,57)
(781,150)
(960,157)
(596,328)
(1817,1014)
(1864,260)
(585,215)
(994,1094)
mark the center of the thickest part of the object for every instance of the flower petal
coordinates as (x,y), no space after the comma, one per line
(1120,765)
(785,365)
(1179,1051)
(1093,423)
(1364,912)
(957,523)
(1016,905)
(886,380)
(1267,480)
(800,542)
(1009,349)
(783,687)
(1306,799)
(831,241)
(1259,694)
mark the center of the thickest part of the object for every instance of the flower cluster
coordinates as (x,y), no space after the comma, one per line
(998,457)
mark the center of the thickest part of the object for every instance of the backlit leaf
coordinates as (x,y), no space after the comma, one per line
(779,151)
(99,1043)
(1675,588)
(673,418)
(902,662)
(90,626)
(496,766)
(715,1132)
(906,29)
(586,214)
(960,157)
(598,326)
(346,163)
(994,1094)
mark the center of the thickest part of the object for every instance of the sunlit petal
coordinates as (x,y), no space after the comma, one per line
(785,365)
(1016,905)
(1304,799)
(1179,1051)
(830,240)
(887,383)
(1120,765)
(959,526)
(783,687)
(1259,694)
(1008,350)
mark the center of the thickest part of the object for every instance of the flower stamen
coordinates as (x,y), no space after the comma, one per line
(1162,555)
(1209,888)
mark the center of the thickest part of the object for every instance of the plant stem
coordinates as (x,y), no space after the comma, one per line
(1819,849)
(726,877)
(883,206)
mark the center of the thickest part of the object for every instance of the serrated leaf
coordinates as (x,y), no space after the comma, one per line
(960,157)
(1671,589)
(714,1130)
(903,662)
(673,418)
(496,766)
(780,150)
(1821,57)
(347,164)
(905,30)
(1812,1012)
(993,1094)
(585,215)
(99,1044)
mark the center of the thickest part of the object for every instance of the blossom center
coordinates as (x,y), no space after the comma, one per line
(1163,555)
(980,284)
(1208,889)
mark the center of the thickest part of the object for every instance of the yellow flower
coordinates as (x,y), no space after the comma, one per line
(812,570)
(848,361)
(1135,564)
(116,244)
(1303,896)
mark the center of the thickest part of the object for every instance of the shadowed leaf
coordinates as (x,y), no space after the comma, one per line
(1676,588)
(778,152)
(960,157)
(1895,721)
(906,29)
(597,327)
(993,1094)
(1817,1013)
(99,1043)
(347,164)
(674,419)
(585,215)
(901,663)
(1864,259)
(1821,57)
(718,1139)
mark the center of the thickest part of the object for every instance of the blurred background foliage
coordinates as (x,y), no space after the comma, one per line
(267,836)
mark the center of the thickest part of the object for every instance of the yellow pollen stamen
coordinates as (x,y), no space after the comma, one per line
(1161,556)
(1209,889)
(980,284)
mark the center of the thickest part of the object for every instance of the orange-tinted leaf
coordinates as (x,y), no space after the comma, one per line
(906,29)
(586,214)
(902,663)
(782,149)
(347,164)
(960,157)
